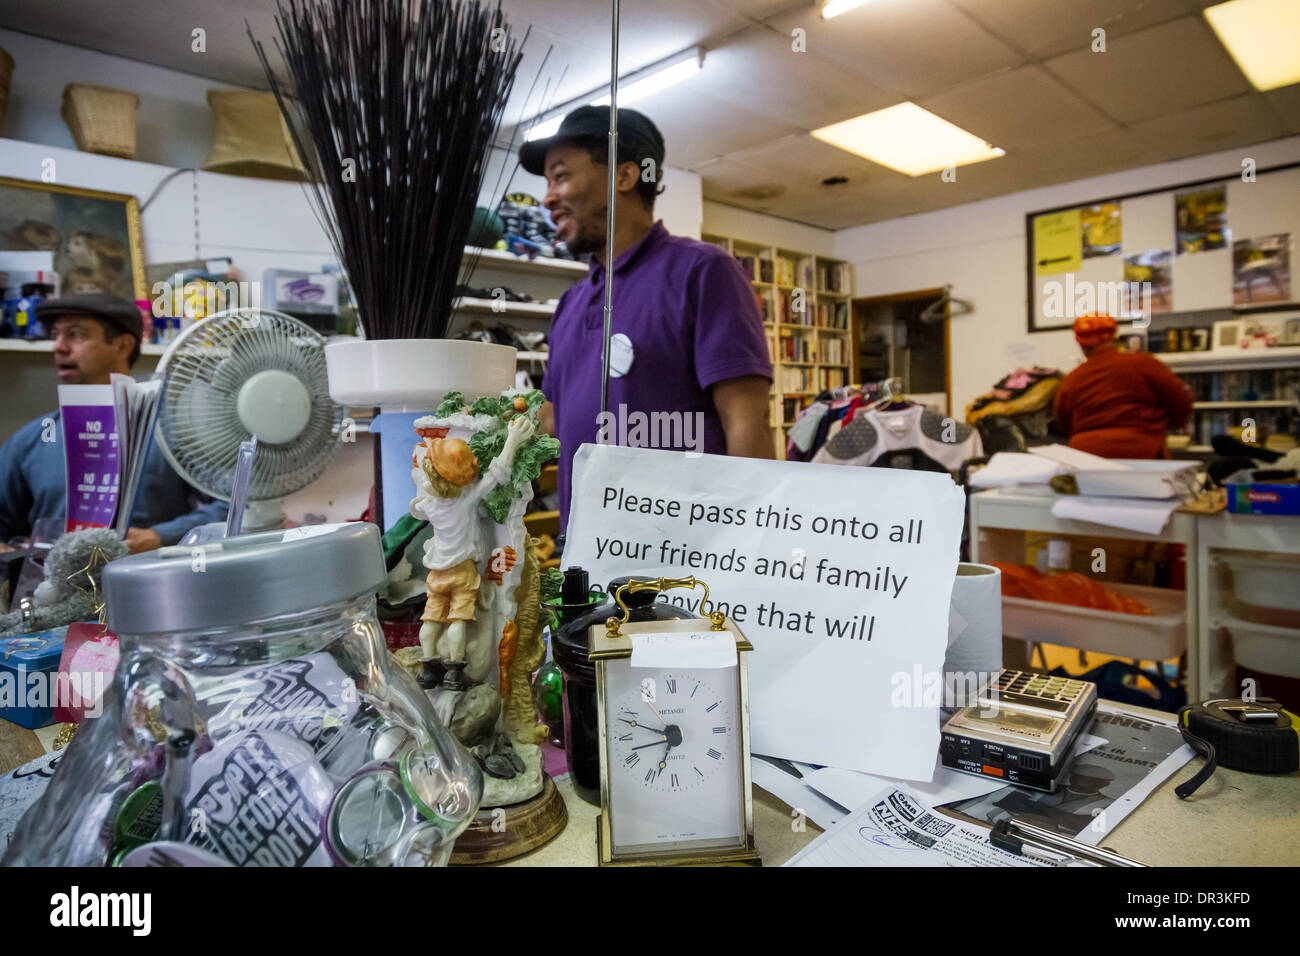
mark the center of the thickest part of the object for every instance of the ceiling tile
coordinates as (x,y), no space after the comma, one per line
(1049,27)
(759,71)
(1017,108)
(1161,70)
(1238,121)
(802,160)
(1286,103)
(698,128)
(916,47)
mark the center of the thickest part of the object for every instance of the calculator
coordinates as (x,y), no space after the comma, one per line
(1022,729)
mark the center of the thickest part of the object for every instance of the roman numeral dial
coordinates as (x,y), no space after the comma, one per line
(672,732)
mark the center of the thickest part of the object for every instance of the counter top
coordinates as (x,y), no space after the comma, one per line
(1235,819)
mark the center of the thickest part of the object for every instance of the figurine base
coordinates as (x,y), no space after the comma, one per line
(525,827)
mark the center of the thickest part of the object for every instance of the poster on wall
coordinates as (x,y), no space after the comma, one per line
(1058,243)
(1155,267)
(1201,219)
(1261,270)
(1102,226)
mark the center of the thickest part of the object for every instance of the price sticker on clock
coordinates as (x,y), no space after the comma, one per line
(712,649)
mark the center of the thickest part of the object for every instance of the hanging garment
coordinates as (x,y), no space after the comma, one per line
(912,437)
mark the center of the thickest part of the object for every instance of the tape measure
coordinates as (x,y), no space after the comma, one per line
(1258,736)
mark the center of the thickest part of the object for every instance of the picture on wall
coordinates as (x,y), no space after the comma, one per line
(1261,270)
(1102,226)
(1155,267)
(1057,242)
(95,236)
(1201,219)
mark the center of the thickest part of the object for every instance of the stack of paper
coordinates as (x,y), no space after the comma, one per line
(135,407)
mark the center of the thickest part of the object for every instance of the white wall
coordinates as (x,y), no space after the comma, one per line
(738,223)
(979,249)
(173,125)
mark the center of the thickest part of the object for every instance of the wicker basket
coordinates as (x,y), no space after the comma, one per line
(6,71)
(102,120)
(250,138)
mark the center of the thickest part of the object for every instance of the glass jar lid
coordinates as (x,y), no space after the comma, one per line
(234,581)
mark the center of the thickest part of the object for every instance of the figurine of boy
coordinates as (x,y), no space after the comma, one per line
(448,492)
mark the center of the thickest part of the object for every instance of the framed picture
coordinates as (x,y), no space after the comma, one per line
(1229,334)
(95,236)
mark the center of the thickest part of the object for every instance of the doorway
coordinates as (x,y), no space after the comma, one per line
(905,336)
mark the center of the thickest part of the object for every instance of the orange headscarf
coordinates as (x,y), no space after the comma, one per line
(1093,329)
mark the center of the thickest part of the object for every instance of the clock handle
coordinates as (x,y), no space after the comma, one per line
(716,619)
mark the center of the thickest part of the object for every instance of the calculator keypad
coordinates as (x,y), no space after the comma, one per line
(1044,686)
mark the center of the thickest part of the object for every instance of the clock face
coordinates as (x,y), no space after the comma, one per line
(674,761)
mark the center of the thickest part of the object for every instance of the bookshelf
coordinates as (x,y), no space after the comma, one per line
(805,302)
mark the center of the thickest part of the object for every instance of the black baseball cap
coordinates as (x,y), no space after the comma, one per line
(635,132)
(116,311)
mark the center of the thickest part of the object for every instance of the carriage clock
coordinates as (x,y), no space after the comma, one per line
(674,738)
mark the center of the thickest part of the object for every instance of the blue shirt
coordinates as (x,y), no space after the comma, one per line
(692,320)
(34,483)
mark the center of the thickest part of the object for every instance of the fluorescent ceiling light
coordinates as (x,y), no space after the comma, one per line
(908,139)
(1263,36)
(835,7)
(631,88)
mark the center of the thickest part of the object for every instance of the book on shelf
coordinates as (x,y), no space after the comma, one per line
(793,379)
(833,377)
(833,277)
(833,351)
(764,306)
(748,265)
(804,273)
(832,315)
(765,268)
(787,301)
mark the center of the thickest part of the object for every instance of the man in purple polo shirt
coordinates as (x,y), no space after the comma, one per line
(689,366)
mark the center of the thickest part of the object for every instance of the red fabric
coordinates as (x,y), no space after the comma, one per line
(1121,404)
(858,402)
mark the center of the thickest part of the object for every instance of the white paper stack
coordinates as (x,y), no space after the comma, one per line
(135,407)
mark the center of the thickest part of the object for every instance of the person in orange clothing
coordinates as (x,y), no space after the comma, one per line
(1118,404)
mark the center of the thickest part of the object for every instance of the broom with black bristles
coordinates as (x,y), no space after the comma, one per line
(393,106)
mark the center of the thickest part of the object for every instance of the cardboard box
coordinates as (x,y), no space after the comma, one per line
(1247,497)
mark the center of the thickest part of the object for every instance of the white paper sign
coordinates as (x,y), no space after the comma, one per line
(710,649)
(841,578)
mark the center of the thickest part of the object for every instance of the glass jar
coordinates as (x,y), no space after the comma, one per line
(256,716)
(569,644)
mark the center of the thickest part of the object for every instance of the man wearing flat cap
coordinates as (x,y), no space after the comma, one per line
(95,335)
(688,338)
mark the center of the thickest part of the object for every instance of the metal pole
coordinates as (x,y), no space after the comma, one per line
(610,196)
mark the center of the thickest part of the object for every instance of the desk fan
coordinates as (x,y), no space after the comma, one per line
(241,373)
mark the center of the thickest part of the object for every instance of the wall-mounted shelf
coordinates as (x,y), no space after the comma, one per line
(1259,403)
(539,266)
(1227,360)
(45,345)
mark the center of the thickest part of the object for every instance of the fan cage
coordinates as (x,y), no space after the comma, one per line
(199,429)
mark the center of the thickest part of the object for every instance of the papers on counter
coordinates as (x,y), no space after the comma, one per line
(851,789)
(1008,468)
(1146,515)
(775,777)
(897,828)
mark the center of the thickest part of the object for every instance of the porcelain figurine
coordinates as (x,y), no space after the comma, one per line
(481,633)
